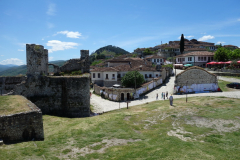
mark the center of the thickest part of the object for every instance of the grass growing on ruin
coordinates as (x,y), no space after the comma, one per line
(13,104)
(203,128)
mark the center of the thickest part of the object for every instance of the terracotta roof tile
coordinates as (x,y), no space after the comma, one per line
(196,53)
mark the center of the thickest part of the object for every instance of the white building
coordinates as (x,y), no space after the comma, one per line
(117,68)
(196,58)
(158,60)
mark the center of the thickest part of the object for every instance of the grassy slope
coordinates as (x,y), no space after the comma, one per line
(13,104)
(151,123)
(223,87)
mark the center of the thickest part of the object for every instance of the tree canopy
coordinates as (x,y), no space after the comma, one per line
(221,54)
(147,51)
(225,54)
(129,79)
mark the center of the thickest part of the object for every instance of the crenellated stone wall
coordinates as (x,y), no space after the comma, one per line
(22,126)
(61,96)
(37,60)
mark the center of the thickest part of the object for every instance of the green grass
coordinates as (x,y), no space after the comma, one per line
(13,104)
(148,126)
(223,87)
(236,77)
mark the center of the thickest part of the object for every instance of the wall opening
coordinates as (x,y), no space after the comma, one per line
(122,96)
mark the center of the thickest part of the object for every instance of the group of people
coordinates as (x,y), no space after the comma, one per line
(163,95)
(166,95)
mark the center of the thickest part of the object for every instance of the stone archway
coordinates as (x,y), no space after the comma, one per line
(128,96)
(122,96)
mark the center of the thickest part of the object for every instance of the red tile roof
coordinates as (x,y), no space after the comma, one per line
(197,53)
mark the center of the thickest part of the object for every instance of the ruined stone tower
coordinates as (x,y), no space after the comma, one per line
(84,54)
(85,58)
(37,60)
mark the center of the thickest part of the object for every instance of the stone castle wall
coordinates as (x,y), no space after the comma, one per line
(22,126)
(61,96)
(7,83)
(81,64)
(37,60)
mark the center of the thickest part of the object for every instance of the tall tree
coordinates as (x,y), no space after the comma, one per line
(129,79)
(182,44)
(222,54)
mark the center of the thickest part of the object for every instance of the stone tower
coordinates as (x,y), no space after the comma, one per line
(84,54)
(37,60)
(85,61)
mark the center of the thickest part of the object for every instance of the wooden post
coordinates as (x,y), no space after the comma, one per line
(127,103)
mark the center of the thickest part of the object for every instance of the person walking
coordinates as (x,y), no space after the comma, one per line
(167,94)
(163,95)
(157,96)
(171,100)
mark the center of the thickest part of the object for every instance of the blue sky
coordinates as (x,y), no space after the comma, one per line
(66,27)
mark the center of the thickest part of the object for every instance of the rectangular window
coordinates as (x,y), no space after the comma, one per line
(146,76)
(189,58)
(205,59)
(211,58)
(178,59)
(154,60)
(183,59)
(156,75)
(93,75)
(106,76)
(113,76)
(150,75)
(157,60)
(201,58)
(198,58)
(119,76)
(161,60)
(98,75)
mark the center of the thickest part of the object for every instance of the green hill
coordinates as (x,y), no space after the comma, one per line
(110,48)
(14,71)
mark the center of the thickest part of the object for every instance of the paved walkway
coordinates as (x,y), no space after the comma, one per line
(101,105)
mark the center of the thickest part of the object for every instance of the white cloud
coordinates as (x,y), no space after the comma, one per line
(188,37)
(42,39)
(50,25)
(70,34)
(205,38)
(2,55)
(58,45)
(238,19)
(51,9)
(20,50)
(220,42)
(15,61)
(50,58)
